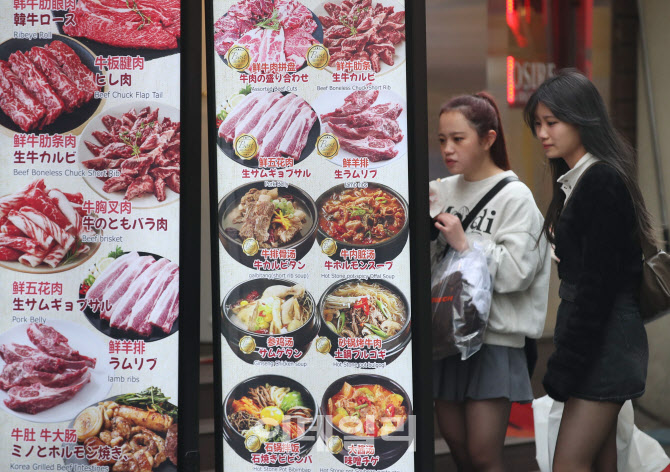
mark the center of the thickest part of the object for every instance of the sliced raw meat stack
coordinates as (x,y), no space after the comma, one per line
(37,86)
(41,226)
(145,149)
(280,123)
(355,30)
(142,293)
(41,377)
(150,24)
(365,130)
(273,31)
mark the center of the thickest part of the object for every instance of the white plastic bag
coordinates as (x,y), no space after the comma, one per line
(636,451)
(461,291)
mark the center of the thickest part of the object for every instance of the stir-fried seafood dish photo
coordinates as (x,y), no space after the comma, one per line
(278,310)
(363,309)
(273,220)
(146,436)
(367,410)
(272,413)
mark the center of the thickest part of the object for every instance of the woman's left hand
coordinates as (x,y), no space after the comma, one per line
(451,227)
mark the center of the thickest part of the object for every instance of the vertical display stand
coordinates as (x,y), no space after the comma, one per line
(319,216)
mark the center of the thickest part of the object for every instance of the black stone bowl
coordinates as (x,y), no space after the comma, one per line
(394,345)
(389,448)
(386,250)
(236,440)
(301,245)
(302,337)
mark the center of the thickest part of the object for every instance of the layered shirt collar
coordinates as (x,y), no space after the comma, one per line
(571,177)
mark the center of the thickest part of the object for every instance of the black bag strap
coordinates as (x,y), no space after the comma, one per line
(482,203)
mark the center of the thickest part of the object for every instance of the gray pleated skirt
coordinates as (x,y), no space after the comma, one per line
(493,372)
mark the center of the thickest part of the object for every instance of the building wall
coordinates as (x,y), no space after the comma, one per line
(654,26)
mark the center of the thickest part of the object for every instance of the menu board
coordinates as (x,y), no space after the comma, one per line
(310,134)
(89,234)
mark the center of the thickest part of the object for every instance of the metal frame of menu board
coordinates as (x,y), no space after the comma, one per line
(189,240)
(419,225)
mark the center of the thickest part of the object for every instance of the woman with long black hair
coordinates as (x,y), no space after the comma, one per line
(596,220)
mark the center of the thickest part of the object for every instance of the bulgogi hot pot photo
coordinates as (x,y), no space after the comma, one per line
(366,409)
(371,309)
(253,218)
(259,309)
(267,409)
(374,217)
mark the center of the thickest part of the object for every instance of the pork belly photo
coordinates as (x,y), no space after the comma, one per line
(45,84)
(281,124)
(42,229)
(273,31)
(363,30)
(135,153)
(141,24)
(133,296)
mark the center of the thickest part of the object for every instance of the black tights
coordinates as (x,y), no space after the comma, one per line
(587,437)
(475,432)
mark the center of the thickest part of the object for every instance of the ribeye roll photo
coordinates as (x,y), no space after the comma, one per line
(47,85)
(370,32)
(132,152)
(278,32)
(50,368)
(132,295)
(283,125)
(370,125)
(140,426)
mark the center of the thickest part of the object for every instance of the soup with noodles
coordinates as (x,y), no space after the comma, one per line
(367,410)
(362,216)
(363,309)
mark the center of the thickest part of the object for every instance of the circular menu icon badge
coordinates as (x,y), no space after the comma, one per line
(252,443)
(246,146)
(327,145)
(323,345)
(335,444)
(250,247)
(328,246)
(238,58)
(318,56)
(247,345)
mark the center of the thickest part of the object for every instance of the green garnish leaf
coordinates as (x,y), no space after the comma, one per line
(116,253)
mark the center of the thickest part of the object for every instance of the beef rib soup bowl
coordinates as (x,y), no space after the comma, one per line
(253,218)
(257,310)
(267,409)
(372,312)
(374,217)
(366,409)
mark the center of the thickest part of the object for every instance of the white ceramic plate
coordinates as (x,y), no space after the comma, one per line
(83,153)
(79,338)
(400,49)
(327,102)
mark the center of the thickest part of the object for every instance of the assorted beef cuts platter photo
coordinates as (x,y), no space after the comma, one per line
(132,295)
(367,123)
(41,230)
(137,148)
(364,30)
(148,28)
(47,86)
(272,31)
(142,425)
(283,124)
(49,370)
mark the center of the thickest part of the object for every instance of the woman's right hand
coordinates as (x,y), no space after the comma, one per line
(452,229)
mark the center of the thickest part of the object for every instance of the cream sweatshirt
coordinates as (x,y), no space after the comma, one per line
(512,221)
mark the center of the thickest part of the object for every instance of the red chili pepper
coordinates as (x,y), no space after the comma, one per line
(362,400)
(390,410)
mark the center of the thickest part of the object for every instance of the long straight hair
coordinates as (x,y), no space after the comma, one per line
(573,99)
(482,113)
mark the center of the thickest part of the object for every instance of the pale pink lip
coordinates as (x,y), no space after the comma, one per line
(450,162)
(547,145)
